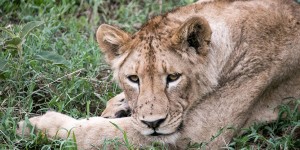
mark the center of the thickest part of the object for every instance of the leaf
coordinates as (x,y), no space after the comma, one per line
(74,139)
(2,65)
(3,71)
(88,109)
(54,58)
(28,27)
(125,138)
(7,31)
(14,41)
(13,44)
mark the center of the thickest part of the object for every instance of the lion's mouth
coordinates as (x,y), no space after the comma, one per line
(155,133)
(161,134)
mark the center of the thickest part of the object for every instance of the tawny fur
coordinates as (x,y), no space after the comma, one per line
(116,105)
(242,61)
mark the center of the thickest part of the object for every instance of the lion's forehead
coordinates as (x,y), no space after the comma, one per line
(152,56)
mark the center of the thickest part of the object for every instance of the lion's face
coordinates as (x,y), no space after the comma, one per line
(162,71)
(157,89)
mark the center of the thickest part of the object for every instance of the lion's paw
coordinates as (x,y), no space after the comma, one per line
(50,123)
(24,127)
(117,107)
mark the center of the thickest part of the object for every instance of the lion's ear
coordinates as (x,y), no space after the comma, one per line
(194,33)
(110,39)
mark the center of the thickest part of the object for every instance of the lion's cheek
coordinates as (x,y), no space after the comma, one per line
(131,95)
(181,95)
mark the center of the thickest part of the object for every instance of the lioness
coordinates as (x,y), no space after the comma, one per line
(192,71)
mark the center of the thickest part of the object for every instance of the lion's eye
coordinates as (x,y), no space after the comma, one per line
(173,77)
(133,78)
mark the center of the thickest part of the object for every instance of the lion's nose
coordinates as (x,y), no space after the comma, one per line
(154,124)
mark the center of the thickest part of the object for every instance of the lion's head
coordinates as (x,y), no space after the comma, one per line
(163,69)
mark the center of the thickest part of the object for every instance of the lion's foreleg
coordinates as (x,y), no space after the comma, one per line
(89,133)
(221,115)
(51,123)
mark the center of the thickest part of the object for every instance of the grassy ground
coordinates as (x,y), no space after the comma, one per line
(49,60)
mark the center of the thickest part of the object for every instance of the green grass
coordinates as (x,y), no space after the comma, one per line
(53,63)
(281,134)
